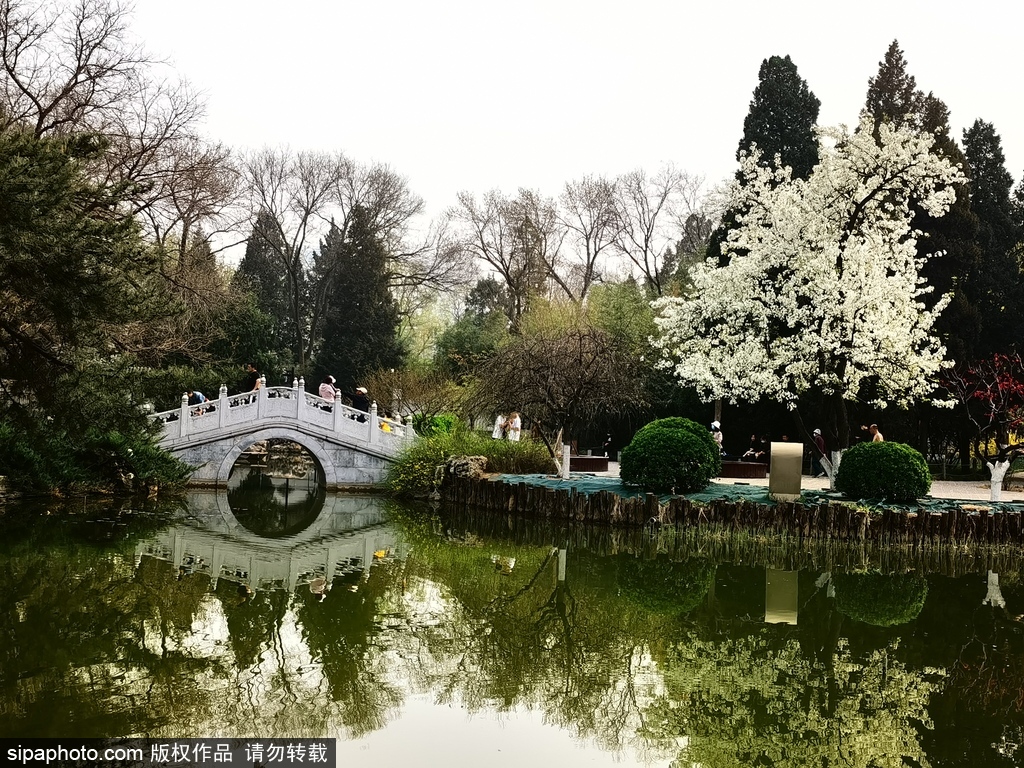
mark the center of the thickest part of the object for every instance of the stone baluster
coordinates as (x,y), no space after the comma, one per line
(183,416)
(222,406)
(338,413)
(374,423)
(261,398)
(300,399)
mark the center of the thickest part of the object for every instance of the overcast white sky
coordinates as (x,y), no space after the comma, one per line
(473,95)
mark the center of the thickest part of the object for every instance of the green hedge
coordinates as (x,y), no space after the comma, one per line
(442,423)
(674,455)
(413,472)
(890,471)
(879,600)
(51,460)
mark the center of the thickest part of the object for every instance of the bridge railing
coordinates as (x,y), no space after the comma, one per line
(293,403)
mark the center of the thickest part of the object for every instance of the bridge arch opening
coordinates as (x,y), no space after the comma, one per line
(276,487)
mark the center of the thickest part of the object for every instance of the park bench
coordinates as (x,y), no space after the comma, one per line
(744,469)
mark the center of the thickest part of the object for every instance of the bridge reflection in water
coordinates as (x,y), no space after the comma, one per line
(341,535)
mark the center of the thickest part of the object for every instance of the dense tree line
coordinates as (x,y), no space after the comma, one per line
(115,205)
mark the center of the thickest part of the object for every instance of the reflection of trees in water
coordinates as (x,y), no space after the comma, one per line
(740,691)
(519,637)
(93,645)
(663,585)
(758,700)
(340,632)
(983,702)
(254,620)
(880,600)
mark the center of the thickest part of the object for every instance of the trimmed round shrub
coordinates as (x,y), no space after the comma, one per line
(670,455)
(880,600)
(662,585)
(890,471)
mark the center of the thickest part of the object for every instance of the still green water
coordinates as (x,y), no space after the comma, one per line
(423,637)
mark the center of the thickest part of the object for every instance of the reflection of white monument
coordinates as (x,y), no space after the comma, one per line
(345,537)
(780,596)
(994,596)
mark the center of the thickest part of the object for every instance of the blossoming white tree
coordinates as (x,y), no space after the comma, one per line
(823,290)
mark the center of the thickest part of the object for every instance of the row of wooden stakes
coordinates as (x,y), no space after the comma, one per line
(831,521)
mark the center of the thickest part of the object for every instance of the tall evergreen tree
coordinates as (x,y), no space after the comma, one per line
(782,117)
(261,274)
(360,330)
(996,286)
(952,239)
(893,98)
(781,121)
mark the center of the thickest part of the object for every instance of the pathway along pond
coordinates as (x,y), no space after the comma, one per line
(428,638)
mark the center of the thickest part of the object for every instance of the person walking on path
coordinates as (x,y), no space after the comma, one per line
(818,453)
(876,436)
(716,434)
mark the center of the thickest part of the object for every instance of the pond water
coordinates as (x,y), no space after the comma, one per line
(425,637)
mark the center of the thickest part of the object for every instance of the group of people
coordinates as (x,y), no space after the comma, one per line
(330,392)
(507,427)
(760,448)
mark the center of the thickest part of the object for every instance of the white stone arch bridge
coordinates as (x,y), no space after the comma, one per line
(352,447)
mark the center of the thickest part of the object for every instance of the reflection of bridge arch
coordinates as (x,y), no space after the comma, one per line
(344,538)
(352,447)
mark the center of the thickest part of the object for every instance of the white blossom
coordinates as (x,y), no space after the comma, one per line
(823,289)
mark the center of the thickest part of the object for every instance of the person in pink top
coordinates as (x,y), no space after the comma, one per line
(327,389)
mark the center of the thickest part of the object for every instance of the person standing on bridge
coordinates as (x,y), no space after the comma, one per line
(327,389)
(195,397)
(360,401)
(252,381)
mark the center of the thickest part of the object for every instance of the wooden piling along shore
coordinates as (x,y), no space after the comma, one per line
(737,548)
(826,522)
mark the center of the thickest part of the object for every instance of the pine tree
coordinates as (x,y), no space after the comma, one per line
(996,286)
(893,96)
(361,318)
(949,241)
(782,117)
(262,275)
(781,122)
(952,241)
